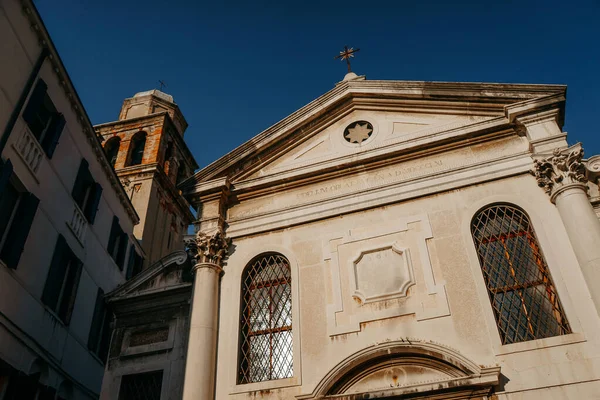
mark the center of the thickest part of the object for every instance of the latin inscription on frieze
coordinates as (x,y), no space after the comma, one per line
(357,182)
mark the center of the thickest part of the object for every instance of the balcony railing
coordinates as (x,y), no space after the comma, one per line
(78,224)
(30,150)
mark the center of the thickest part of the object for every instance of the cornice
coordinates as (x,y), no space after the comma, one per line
(486,98)
(133,122)
(378,156)
(153,301)
(59,70)
(177,258)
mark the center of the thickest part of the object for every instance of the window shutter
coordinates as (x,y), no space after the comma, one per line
(53,134)
(114,232)
(6,170)
(130,262)
(71,291)
(35,101)
(92,206)
(55,274)
(17,235)
(96,322)
(122,249)
(106,336)
(81,181)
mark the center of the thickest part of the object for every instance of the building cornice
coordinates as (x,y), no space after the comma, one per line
(465,98)
(60,71)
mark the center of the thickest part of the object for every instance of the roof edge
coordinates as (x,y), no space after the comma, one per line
(59,69)
(517,92)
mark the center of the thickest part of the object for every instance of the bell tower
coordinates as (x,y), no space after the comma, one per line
(146,148)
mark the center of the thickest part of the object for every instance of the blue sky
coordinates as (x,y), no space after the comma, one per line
(235,68)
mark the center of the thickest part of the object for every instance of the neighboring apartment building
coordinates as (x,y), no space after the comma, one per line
(66,223)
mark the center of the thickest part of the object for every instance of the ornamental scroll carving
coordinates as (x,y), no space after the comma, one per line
(563,167)
(211,249)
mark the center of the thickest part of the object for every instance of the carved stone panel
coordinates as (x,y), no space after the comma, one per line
(383,273)
(397,376)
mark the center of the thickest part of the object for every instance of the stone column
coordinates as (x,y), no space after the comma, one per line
(207,249)
(563,176)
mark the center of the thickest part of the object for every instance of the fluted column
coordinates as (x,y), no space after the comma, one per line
(208,249)
(564,178)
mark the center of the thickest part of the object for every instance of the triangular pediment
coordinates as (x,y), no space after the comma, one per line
(385,128)
(405,116)
(169,272)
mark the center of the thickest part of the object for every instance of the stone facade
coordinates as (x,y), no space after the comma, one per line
(151,325)
(151,181)
(55,262)
(371,195)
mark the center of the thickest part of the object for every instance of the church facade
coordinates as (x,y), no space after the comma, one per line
(390,239)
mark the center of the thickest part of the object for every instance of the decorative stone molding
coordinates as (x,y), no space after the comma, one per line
(208,249)
(387,369)
(382,273)
(86,126)
(563,168)
(592,166)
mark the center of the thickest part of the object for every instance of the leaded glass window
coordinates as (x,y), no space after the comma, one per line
(525,302)
(266,320)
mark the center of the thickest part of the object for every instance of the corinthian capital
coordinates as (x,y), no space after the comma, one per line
(563,167)
(208,249)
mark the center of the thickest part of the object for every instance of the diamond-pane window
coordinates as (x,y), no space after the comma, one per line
(525,302)
(266,320)
(145,386)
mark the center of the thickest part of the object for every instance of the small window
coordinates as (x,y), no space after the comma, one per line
(99,337)
(117,243)
(62,282)
(137,146)
(17,210)
(134,266)
(181,173)
(146,386)
(266,351)
(44,122)
(111,148)
(86,192)
(523,297)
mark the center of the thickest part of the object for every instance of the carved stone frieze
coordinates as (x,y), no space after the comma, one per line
(562,168)
(208,249)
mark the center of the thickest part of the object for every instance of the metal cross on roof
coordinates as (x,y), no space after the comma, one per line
(345,55)
(162,84)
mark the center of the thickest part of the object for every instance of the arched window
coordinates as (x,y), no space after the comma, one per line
(266,320)
(525,302)
(111,148)
(137,145)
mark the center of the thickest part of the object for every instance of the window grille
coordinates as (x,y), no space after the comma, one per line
(525,302)
(266,351)
(146,386)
